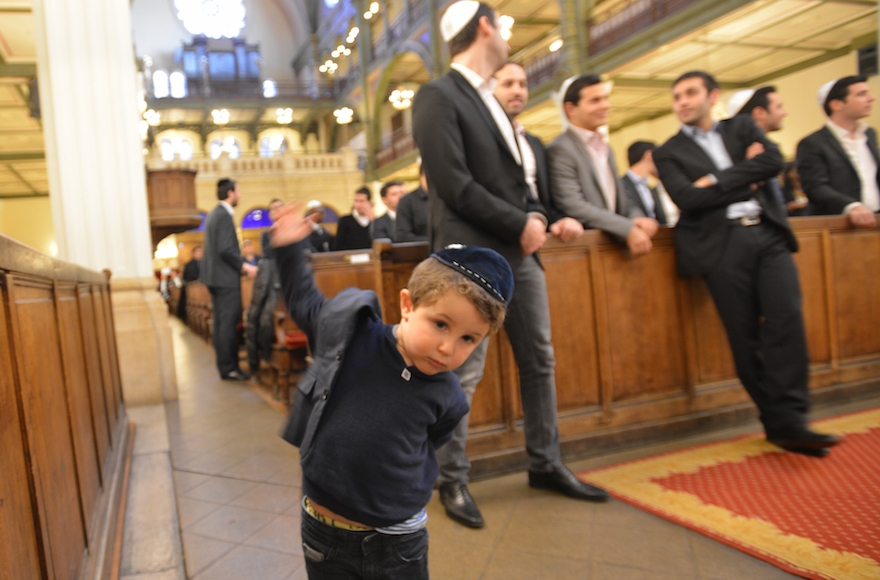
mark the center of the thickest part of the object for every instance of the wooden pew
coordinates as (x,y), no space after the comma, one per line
(63,431)
(641,354)
(334,272)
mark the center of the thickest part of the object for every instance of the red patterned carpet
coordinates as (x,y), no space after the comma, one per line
(818,518)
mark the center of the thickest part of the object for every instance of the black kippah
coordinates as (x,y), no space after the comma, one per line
(487,268)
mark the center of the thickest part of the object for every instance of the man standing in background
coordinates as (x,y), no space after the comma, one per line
(222,268)
(391,194)
(838,164)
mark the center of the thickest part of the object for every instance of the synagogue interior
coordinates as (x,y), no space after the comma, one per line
(126,456)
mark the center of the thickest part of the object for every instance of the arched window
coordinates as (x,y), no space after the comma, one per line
(185,149)
(256,218)
(161,88)
(272,146)
(270,89)
(177,80)
(179,148)
(228,145)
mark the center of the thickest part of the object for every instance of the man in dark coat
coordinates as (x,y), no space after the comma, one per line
(221,271)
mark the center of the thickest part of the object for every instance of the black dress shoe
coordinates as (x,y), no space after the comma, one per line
(810,451)
(236,375)
(803,438)
(460,506)
(562,480)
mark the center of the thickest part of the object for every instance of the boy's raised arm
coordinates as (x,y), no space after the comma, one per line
(303,298)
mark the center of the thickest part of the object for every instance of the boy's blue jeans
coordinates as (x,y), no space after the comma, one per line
(337,554)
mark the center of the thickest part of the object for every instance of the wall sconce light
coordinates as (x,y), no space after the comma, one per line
(505,22)
(154,118)
(344,116)
(556,45)
(401,98)
(221,116)
(328,67)
(284,116)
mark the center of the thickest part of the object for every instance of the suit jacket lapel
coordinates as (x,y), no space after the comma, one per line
(474,96)
(834,144)
(691,148)
(588,160)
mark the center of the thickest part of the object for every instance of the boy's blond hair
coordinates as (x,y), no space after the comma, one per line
(431,279)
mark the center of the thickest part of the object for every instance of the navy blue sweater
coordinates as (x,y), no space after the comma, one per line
(372,456)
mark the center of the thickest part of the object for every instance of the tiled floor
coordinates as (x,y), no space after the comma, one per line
(237,486)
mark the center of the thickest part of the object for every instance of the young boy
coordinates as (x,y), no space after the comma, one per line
(379,399)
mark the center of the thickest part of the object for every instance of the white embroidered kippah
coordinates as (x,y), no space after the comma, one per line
(456,17)
(738,101)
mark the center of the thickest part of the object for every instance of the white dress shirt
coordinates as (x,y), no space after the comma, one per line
(529,161)
(712,143)
(597,148)
(228,207)
(486,90)
(856,146)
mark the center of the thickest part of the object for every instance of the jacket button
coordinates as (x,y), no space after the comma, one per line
(326,393)
(339,355)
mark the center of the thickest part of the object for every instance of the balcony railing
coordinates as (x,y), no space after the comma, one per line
(250,90)
(395,146)
(542,69)
(628,19)
(249,164)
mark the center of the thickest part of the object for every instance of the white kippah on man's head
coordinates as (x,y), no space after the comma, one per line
(456,17)
(738,101)
(822,96)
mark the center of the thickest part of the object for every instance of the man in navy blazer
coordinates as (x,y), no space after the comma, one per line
(479,196)
(221,271)
(838,164)
(734,232)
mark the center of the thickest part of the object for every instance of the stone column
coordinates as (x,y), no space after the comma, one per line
(97,187)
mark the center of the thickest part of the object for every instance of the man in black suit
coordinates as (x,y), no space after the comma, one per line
(391,193)
(764,106)
(838,165)
(734,233)
(411,224)
(320,239)
(635,181)
(222,268)
(355,231)
(479,196)
(512,91)
(192,269)
(191,272)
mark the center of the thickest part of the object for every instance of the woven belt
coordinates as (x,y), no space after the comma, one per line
(310,509)
(746,220)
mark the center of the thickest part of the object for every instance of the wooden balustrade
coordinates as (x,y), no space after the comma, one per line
(641,353)
(63,428)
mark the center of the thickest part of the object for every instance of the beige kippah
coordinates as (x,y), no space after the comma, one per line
(738,101)
(456,17)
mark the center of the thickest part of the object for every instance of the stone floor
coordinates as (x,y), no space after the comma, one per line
(237,492)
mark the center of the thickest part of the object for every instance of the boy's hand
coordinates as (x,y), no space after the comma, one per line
(290,225)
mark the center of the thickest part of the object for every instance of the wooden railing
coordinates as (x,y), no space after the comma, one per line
(395,146)
(629,18)
(62,420)
(641,353)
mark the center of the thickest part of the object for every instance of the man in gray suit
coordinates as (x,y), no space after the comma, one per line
(222,268)
(584,179)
